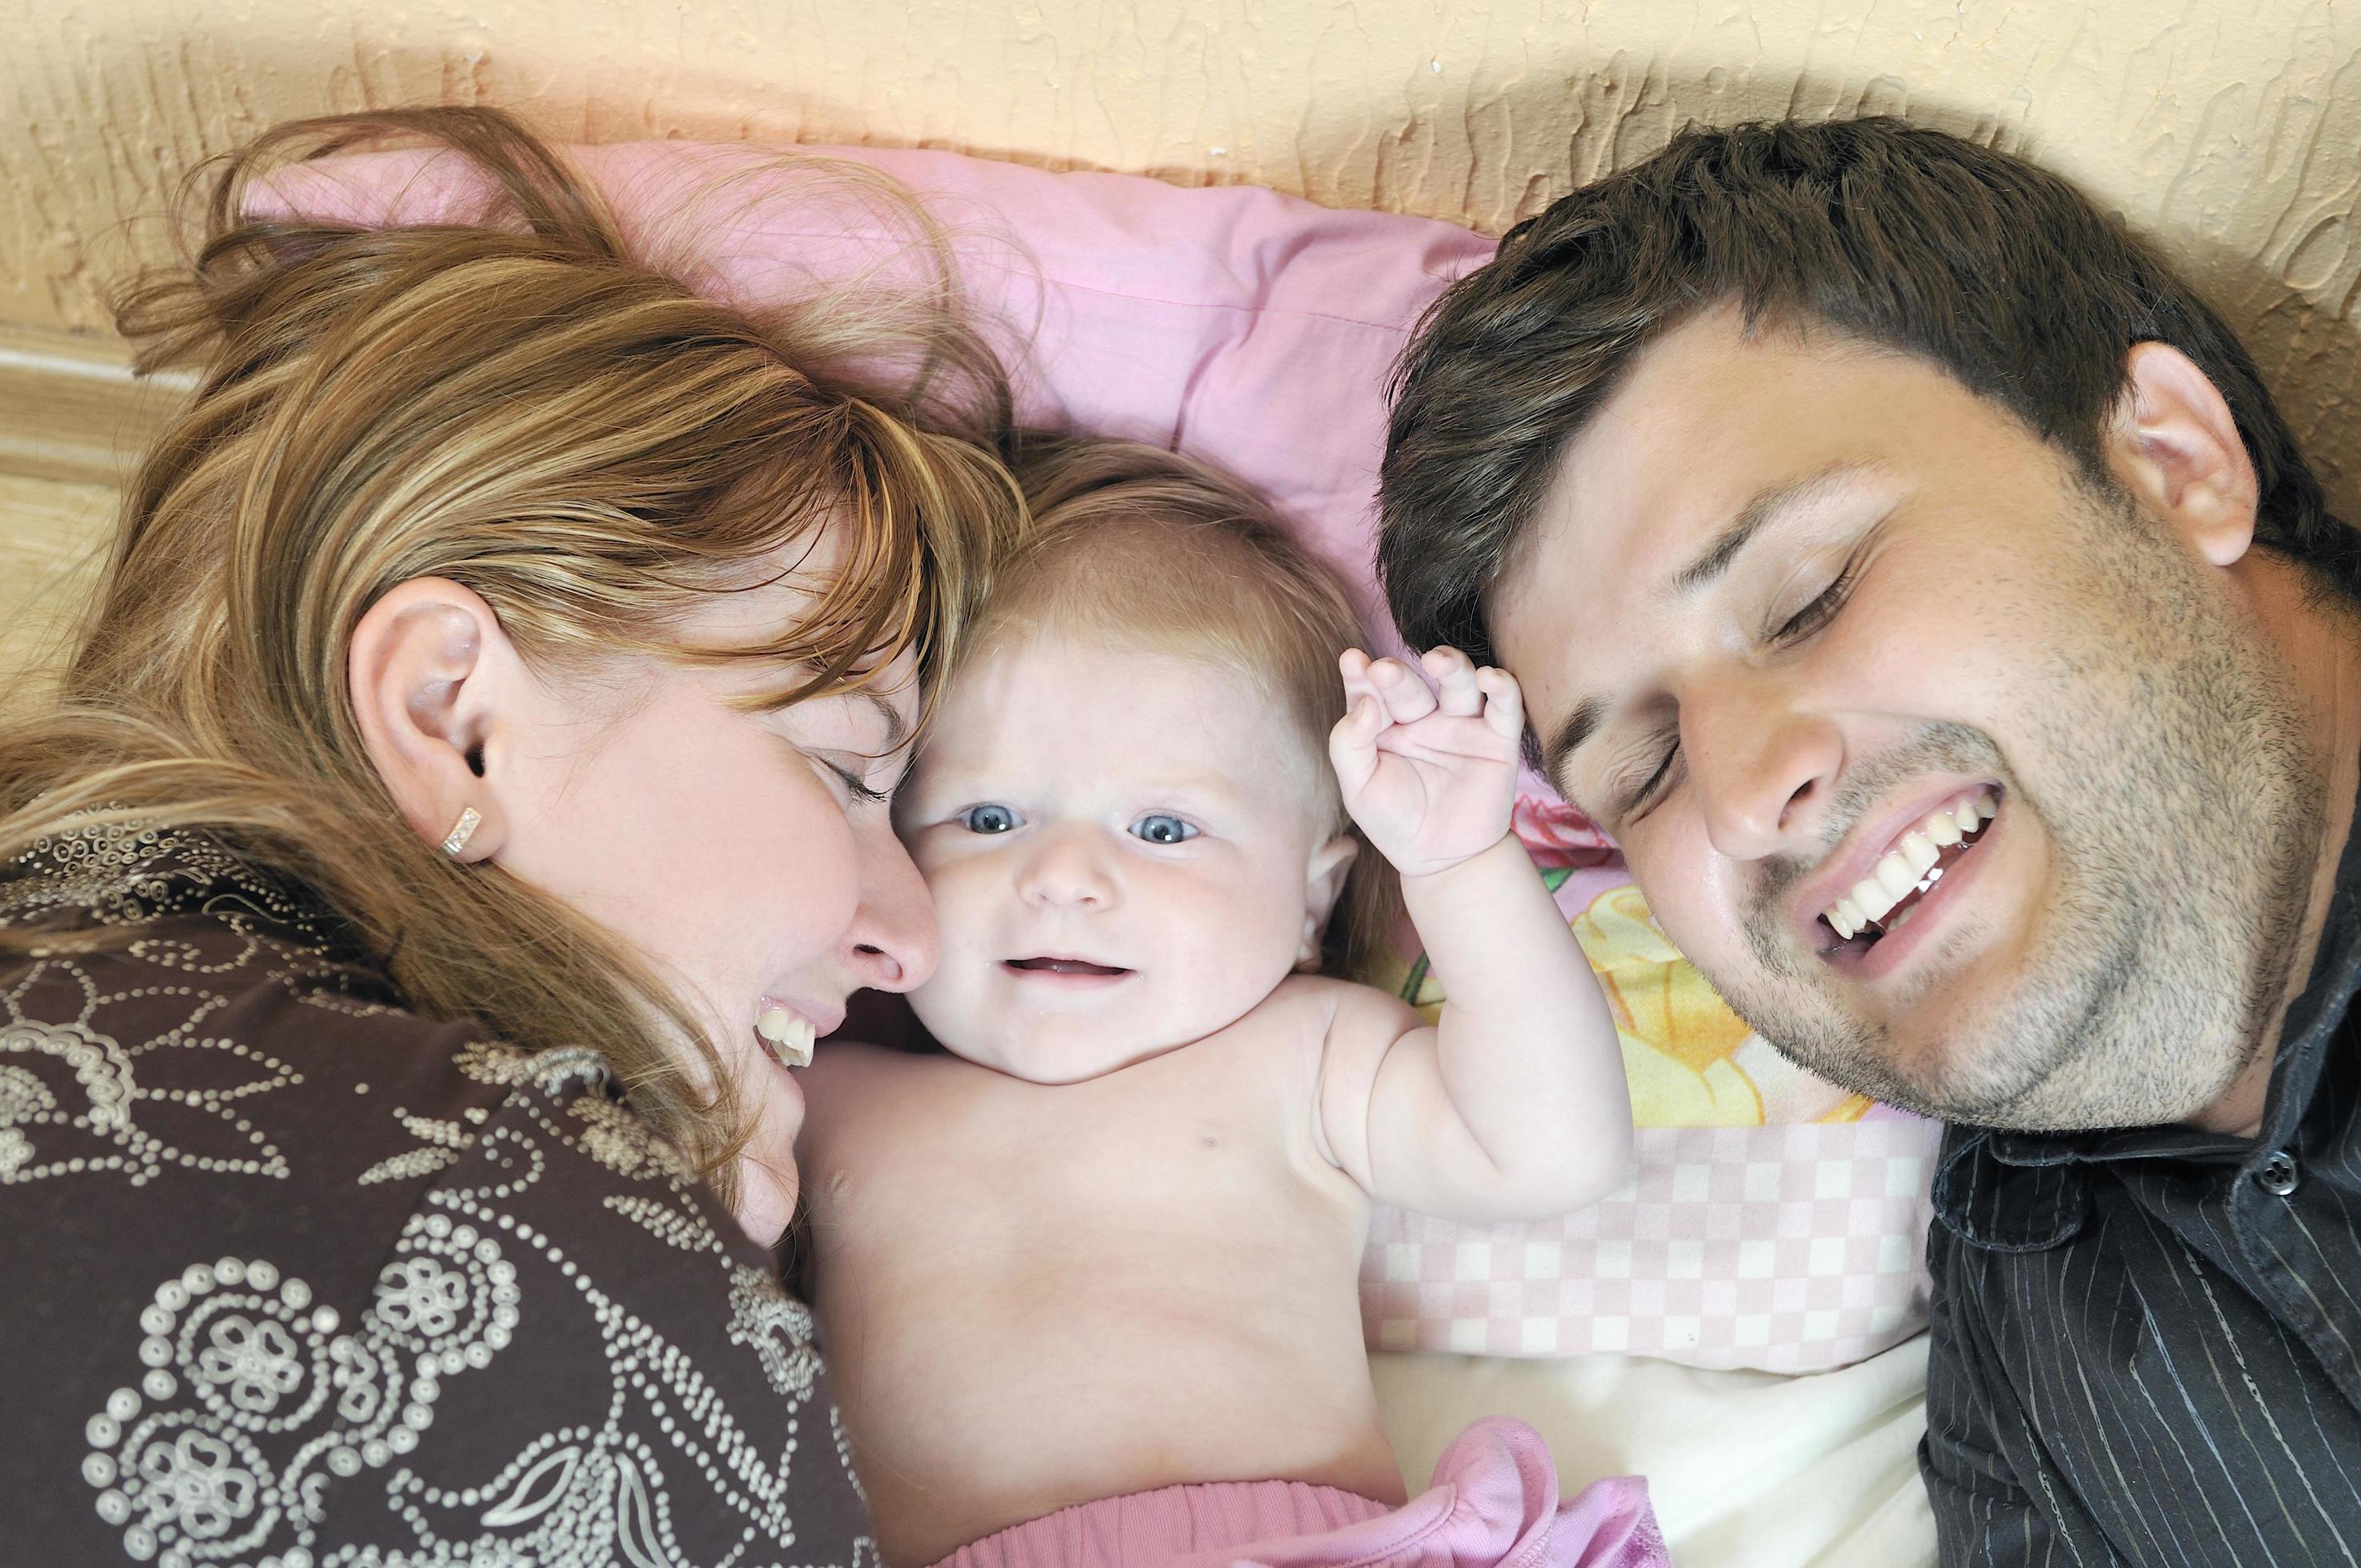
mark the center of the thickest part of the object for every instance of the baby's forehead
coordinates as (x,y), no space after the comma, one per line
(1112,693)
(1146,676)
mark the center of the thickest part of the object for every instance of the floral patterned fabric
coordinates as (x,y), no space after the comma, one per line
(294,1277)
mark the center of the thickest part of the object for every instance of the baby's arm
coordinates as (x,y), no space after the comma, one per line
(1516,1106)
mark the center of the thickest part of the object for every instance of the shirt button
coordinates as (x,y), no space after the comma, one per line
(2279,1175)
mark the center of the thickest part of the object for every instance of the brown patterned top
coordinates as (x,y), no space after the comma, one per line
(290,1275)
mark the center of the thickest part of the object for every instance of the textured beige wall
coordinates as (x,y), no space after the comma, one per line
(2230,128)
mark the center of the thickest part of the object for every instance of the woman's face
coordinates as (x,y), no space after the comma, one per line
(750,855)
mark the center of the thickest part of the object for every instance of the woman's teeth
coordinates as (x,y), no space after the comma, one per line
(787,1037)
(1909,867)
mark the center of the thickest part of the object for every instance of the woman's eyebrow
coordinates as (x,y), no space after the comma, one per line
(897,728)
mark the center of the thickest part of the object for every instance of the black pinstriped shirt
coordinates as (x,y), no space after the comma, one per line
(2147,1343)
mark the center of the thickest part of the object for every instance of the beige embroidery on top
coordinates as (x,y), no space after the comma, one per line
(251,1415)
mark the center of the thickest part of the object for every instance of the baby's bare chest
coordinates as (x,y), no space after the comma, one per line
(1033,1294)
(1199,1164)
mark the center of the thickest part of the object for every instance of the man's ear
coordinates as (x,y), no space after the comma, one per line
(425,667)
(2173,443)
(1324,883)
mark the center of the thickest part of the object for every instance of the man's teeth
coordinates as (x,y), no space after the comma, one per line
(1909,866)
(788,1038)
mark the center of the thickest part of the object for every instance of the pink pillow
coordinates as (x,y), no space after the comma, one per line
(1233,324)
(1774,1222)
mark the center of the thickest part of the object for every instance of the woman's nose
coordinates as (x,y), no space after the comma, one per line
(1064,869)
(894,939)
(1762,766)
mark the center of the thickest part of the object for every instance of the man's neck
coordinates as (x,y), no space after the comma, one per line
(2321,640)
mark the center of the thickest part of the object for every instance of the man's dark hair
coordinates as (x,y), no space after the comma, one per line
(1999,272)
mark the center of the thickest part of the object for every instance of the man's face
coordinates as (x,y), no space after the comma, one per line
(1799,602)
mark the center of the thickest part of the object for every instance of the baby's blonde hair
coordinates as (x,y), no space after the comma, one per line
(1164,553)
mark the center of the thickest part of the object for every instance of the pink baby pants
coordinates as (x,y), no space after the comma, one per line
(1493,1503)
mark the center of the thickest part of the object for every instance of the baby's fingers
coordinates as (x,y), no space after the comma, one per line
(1405,695)
(1504,702)
(1353,744)
(1354,665)
(1456,690)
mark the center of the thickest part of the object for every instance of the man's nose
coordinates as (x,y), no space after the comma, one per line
(1761,765)
(1066,868)
(893,937)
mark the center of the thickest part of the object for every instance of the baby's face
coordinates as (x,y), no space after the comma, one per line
(1128,851)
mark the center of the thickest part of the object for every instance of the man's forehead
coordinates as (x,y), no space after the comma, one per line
(1609,521)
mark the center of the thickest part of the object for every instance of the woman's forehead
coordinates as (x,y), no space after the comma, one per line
(760,601)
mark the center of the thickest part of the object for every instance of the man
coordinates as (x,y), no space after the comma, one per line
(1917,579)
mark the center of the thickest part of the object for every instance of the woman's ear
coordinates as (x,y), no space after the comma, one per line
(1324,883)
(2174,445)
(427,667)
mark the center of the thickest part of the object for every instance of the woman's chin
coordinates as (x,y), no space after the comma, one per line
(767,1190)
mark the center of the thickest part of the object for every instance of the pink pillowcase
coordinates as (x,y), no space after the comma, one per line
(1256,331)
(1223,322)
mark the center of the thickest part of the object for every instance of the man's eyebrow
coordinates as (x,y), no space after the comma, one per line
(1767,506)
(1570,737)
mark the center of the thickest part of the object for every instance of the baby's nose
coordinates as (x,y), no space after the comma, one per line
(1065,870)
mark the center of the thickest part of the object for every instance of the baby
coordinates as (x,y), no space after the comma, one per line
(1106,1253)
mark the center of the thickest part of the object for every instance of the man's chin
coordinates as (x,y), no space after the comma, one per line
(1983,1077)
(2019,1080)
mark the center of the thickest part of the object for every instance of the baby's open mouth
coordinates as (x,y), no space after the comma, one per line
(1063,966)
(1905,874)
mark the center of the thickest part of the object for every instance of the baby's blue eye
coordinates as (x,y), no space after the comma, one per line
(988,818)
(1158,829)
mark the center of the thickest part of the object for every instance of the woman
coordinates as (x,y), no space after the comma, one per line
(486,725)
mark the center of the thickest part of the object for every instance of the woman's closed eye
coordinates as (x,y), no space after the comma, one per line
(1162,827)
(857,787)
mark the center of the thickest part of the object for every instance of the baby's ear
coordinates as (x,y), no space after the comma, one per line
(1324,883)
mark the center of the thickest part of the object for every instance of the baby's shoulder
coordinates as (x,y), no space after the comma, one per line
(851,1060)
(1297,1011)
(1342,1008)
(1295,1027)
(849,1082)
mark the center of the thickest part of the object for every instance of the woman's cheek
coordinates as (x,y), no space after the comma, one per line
(800,876)
(830,859)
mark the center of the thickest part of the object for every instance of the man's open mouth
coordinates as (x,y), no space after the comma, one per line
(1064,966)
(1905,874)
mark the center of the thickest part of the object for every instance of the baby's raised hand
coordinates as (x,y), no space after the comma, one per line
(1430,775)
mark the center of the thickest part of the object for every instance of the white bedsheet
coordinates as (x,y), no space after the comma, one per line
(1747,1469)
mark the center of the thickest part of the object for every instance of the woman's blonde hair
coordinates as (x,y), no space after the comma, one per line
(525,409)
(1154,551)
